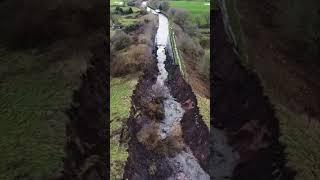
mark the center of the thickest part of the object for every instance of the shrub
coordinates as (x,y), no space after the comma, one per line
(131,3)
(190,29)
(171,12)
(190,46)
(132,60)
(180,17)
(197,19)
(120,40)
(205,42)
(132,27)
(149,135)
(164,5)
(119,10)
(143,12)
(130,11)
(171,144)
(204,65)
(154,4)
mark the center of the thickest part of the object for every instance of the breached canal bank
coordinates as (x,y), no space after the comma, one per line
(158,148)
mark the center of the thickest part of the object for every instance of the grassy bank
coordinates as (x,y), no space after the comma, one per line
(34,92)
(204,107)
(120,103)
(301,136)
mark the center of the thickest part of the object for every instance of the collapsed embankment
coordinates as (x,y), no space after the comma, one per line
(87,146)
(142,162)
(241,110)
(151,156)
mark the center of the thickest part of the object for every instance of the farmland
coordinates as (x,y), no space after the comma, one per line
(195,8)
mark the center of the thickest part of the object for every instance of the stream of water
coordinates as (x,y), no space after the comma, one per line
(185,165)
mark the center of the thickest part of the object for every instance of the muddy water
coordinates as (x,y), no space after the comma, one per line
(184,164)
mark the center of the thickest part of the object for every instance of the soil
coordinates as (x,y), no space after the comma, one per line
(86,145)
(292,84)
(145,164)
(197,81)
(241,110)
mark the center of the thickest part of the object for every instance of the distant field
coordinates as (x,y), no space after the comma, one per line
(194,7)
(115,2)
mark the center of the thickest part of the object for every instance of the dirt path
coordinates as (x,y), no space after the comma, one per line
(169,140)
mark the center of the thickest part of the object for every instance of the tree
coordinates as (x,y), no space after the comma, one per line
(120,40)
(198,20)
(164,6)
(180,17)
(207,19)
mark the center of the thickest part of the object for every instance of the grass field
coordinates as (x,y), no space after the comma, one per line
(32,119)
(120,103)
(204,107)
(115,2)
(193,7)
(302,140)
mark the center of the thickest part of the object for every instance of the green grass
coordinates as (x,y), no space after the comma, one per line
(204,107)
(128,21)
(115,2)
(302,142)
(33,95)
(120,103)
(193,7)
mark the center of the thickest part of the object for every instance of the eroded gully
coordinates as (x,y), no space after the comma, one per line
(224,158)
(189,160)
(184,164)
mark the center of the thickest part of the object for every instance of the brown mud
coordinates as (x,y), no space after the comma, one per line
(145,164)
(86,145)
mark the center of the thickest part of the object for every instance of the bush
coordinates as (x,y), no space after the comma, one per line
(119,10)
(131,3)
(133,60)
(190,46)
(149,135)
(205,42)
(204,65)
(154,4)
(132,27)
(164,5)
(120,40)
(143,12)
(171,12)
(129,11)
(180,17)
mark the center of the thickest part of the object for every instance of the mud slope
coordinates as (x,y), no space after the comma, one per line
(242,111)
(195,133)
(87,146)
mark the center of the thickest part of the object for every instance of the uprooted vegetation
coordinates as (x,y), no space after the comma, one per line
(149,134)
